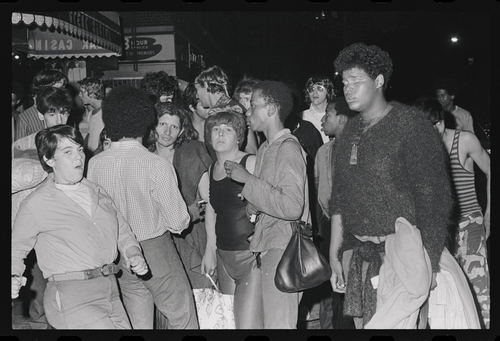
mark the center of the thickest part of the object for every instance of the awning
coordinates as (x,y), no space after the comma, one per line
(72,34)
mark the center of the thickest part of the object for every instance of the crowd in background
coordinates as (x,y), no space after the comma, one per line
(158,186)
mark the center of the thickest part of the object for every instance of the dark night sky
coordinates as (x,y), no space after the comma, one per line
(419,44)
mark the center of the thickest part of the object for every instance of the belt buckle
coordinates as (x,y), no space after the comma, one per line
(106,270)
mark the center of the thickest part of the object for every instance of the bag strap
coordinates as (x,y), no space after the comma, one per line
(213,283)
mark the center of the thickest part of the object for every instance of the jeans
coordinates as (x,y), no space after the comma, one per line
(85,304)
(165,285)
(280,309)
(239,276)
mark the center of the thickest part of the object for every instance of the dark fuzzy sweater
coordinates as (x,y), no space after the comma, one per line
(401,172)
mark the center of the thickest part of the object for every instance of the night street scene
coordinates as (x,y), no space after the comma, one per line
(107,234)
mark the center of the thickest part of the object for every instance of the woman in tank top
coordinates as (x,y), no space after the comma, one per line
(469,245)
(226,221)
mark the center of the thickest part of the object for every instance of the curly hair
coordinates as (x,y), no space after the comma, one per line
(159,84)
(320,80)
(127,112)
(93,87)
(188,132)
(46,141)
(447,84)
(277,94)
(54,99)
(369,58)
(232,119)
(214,79)
(47,78)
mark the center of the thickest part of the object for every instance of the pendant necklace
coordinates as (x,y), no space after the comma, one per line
(363,127)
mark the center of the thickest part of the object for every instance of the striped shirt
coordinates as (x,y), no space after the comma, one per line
(28,123)
(143,186)
(463,181)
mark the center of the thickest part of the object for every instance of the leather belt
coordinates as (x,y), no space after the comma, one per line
(105,270)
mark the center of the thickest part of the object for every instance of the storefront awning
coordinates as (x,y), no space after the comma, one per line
(71,34)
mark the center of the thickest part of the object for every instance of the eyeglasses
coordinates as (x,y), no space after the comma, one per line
(317,87)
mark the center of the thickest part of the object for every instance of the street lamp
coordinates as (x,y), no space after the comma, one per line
(454,39)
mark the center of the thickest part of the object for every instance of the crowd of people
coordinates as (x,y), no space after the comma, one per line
(120,212)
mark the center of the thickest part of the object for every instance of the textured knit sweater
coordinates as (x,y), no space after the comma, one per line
(400,172)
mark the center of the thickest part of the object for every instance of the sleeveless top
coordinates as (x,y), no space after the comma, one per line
(232,226)
(463,180)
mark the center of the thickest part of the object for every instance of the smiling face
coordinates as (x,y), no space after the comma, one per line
(224,138)
(68,161)
(168,130)
(359,89)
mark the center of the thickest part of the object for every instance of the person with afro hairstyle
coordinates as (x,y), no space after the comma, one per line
(318,93)
(277,194)
(446,90)
(212,91)
(160,85)
(145,189)
(391,183)
(92,94)
(29,121)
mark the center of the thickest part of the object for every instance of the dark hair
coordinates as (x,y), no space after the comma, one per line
(46,141)
(448,84)
(46,78)
(127,112)
(159,84)
(321,80)
(172,109)
(342,108)
(234,120)
(244,86)
(54,99)
(277,94)
(215,78)
(93,86)
(190,97)
(431,108)
(371,59)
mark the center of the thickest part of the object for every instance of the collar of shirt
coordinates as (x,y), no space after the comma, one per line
(278,135)
(126,144)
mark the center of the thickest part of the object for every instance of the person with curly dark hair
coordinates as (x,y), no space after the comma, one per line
(91,125)
(391,184)
(318,93)
(197,112)
(145,189)
(160,85)
(29,121)
(212,88)
(277,194)
(446,90)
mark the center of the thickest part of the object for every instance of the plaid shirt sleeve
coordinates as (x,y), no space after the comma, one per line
(167,195)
